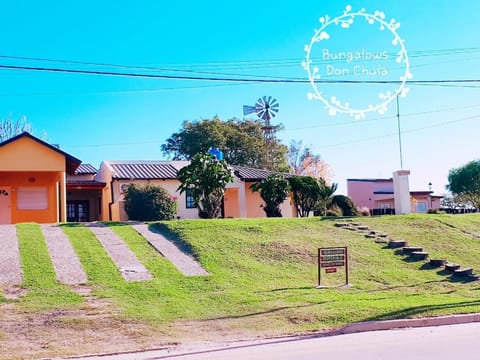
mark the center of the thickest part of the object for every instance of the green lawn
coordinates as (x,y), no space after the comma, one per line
(263,272)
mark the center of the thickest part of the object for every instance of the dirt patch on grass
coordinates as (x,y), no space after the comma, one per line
(93,329)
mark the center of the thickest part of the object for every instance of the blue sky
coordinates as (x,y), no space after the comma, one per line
(119,118)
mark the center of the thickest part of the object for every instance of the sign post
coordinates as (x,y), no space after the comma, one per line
(330,259)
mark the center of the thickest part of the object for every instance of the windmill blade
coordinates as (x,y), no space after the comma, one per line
(247,110)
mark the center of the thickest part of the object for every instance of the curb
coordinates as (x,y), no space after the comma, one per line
(364,326)
(406,323)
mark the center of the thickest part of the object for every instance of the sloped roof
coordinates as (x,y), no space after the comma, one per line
(251,174)
(85,169)
(143,170)
(371,180)
(71,162)
(85,184)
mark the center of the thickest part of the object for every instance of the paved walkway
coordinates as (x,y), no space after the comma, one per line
(128,264)
(65,261)
(184,263)
(10,269)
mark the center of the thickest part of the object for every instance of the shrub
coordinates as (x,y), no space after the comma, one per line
(345,204)
(364,211)
(273,191)
(149,203)
(334,210)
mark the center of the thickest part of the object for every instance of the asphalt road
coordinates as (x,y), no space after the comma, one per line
(442,342)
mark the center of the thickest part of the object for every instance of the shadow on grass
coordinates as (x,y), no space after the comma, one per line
(269,311)
(173,237)
(419,310)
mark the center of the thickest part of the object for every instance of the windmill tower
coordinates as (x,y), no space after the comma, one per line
(266,109)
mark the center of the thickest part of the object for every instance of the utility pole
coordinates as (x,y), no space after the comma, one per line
(399,134)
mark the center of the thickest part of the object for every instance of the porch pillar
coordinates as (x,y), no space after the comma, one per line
(242,199)
(63,198)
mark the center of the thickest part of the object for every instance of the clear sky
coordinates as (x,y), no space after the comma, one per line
(99,118)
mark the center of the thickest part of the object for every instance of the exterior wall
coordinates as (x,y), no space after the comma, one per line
(254,202)
(104,174)
(49,180)
(26,154)
(232,203)
(435,202)
(171,185)
(27,163)
(363,194)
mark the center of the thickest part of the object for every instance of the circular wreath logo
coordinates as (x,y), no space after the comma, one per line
(356,62)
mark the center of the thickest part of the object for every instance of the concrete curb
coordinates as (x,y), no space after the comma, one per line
(365,326)
(406,323)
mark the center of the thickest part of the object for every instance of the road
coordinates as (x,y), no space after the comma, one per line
(442,342)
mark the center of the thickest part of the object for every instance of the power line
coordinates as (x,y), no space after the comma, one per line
(225,79)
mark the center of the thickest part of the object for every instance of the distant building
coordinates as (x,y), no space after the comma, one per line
(378,196)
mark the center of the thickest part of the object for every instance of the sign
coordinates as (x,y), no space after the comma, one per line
(330,259)
(361,48)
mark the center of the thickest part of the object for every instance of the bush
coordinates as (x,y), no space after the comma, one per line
(345,204)
(436,211)
(364,211)
(149,203)
(334,210)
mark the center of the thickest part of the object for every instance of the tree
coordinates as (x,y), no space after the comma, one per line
(10,128)
(306,192)
(326,194)
(273,191)
(241,141)
(346,205)
(149,203)
(304,162)
(206,178)
(465,182)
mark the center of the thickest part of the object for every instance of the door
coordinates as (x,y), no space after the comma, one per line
(5,206)
(77,211)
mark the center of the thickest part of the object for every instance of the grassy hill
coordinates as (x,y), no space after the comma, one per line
(264,272)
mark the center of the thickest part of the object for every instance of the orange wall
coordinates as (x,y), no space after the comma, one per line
(232,206)
(26,154)
(46,179)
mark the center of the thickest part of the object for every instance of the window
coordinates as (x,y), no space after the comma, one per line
(32,198)
(189,201)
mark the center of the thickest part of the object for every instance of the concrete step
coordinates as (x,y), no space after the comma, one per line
(452,267)
(437,262)
(411,249)
(419,255)
(393,244)
(463,272)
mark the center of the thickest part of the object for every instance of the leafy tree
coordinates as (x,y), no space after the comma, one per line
(465,182)
(273,191)
(241,141)
(149,203)
(307,192)
(206,178)
(304,162)
(326,194)
(346,205)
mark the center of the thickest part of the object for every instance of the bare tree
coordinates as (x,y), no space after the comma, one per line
(10,128)
(304,162)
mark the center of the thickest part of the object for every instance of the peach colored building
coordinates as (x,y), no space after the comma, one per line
(378,196)
(33,180)
(41,183)
(239,200)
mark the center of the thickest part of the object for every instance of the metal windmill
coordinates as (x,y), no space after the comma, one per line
(266,109)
